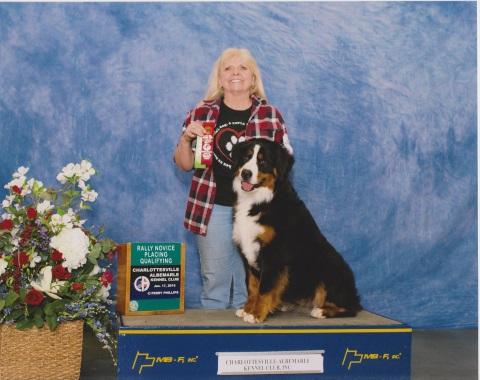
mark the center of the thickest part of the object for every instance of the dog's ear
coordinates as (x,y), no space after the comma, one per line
(284,162)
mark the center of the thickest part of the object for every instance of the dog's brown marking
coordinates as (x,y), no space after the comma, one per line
(267,180)
(267,235)
(267,303)
(320,296)
(253,288)
(330,310)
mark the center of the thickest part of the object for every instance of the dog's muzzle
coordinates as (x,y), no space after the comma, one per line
(246,176)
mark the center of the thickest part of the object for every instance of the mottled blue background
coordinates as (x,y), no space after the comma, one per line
(379,100)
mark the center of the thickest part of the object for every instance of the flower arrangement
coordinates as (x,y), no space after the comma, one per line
(52,268)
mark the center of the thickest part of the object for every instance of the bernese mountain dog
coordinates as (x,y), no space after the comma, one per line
(289,261)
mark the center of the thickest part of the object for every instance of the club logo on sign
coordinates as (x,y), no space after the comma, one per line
(141,284)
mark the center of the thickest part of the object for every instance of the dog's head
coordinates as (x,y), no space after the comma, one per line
(259,165)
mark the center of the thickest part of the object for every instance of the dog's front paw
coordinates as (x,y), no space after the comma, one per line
(317,313)
(250,318)
(240,313)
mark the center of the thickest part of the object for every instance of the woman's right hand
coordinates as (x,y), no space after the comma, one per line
(193,130)
(183,155)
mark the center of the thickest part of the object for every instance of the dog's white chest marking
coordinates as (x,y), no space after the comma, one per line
(246,228)
(245,232)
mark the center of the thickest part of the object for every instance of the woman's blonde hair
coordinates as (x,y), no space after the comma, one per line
(215,90)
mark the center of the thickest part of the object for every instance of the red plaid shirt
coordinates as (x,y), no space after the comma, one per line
(265,122)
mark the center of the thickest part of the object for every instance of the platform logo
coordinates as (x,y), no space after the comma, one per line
(145,360)
(353,356)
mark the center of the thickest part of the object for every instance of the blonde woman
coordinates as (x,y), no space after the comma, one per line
(235,101)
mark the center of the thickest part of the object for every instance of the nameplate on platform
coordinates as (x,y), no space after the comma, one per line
(151,278)
(272,362)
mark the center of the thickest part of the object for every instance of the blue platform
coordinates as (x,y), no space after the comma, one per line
(207,344)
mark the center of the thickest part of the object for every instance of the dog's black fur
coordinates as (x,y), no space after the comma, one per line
(293,263)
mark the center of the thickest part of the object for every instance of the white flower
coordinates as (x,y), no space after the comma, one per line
(8,201)
(67,172)
(44,283)
(72,218)
(3,266)
(44,206)
(7,216)
(61,178)
(34,185)
(19,182)
(89,195)
(21,171)
(35,260)
(57,221)
(73,243)
(103,292)
(81,172)
(86,170)
(96,270)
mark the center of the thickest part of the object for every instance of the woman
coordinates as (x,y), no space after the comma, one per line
(235,101)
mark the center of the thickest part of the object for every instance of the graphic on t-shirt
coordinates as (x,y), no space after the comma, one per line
(226,137)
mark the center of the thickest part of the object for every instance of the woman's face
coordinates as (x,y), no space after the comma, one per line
(235,77)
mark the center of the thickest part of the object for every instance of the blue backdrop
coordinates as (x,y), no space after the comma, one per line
(379,101)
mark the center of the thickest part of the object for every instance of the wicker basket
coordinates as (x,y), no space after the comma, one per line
(40,354)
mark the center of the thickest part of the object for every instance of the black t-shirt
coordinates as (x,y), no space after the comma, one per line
(229,131)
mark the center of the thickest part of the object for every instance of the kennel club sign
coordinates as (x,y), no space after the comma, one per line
(151,278)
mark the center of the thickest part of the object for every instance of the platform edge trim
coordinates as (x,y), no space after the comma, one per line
(260,331)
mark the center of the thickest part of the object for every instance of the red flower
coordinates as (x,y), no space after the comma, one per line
(107,278)
(6,224)
(25,235)
(56,255)
(60,273)
(16,189)
(31,213)
(77,286)
(34,297)
(27,231)
(20,259)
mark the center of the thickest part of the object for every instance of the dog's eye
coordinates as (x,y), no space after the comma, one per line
(247,155)
(261,158)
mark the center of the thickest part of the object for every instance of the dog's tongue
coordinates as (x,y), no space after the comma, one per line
(247,186)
